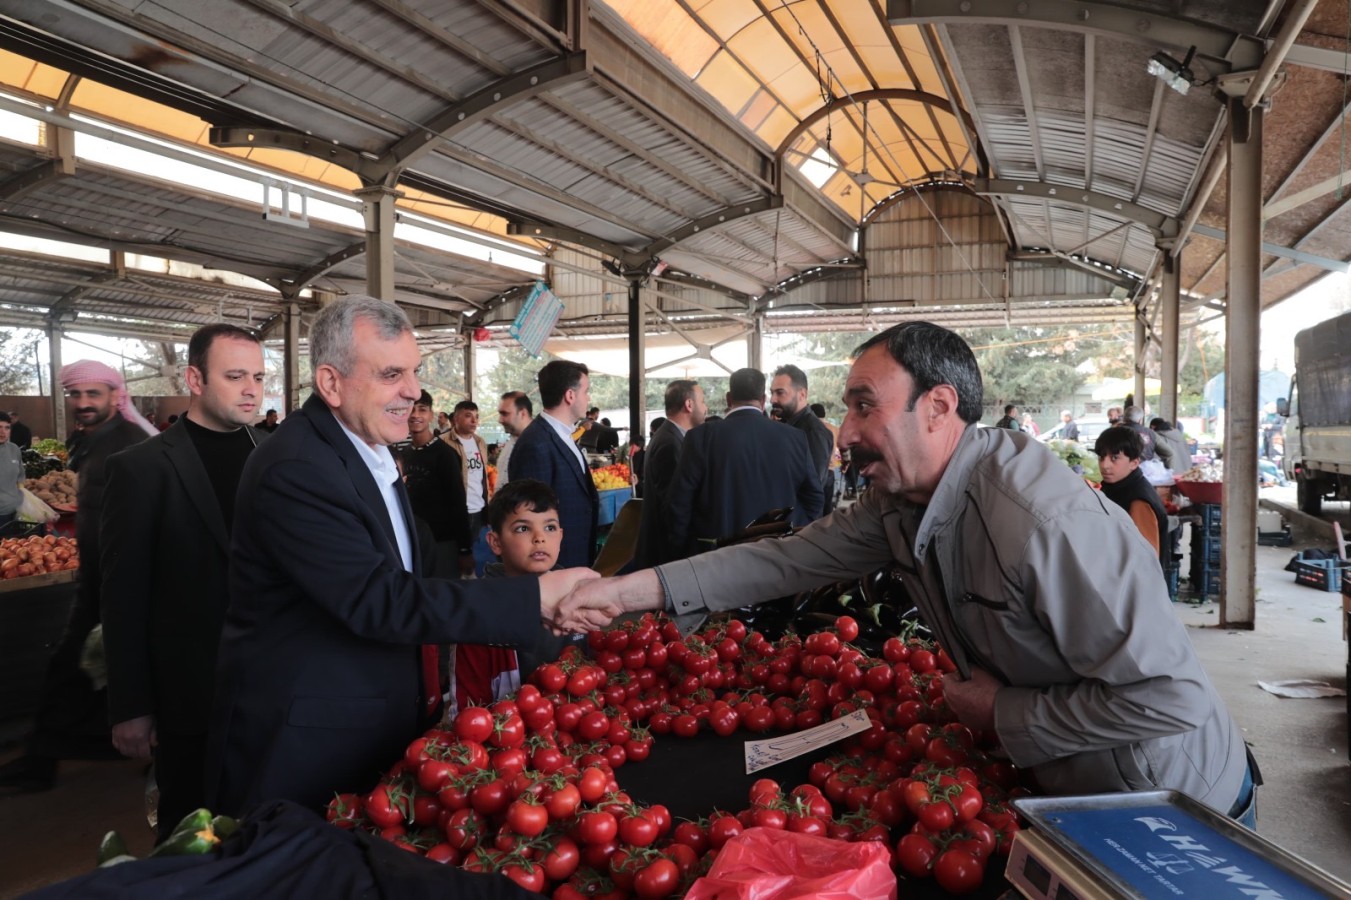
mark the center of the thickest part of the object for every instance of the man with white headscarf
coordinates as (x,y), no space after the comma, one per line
(72,718)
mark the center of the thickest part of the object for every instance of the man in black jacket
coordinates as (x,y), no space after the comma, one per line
(432,475)
(685,409)
(738,468)
(167,517)
(788,397)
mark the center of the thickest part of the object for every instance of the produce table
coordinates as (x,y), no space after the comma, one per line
(609,504)
(33,616)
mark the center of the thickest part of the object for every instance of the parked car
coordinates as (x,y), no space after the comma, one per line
(1089,429)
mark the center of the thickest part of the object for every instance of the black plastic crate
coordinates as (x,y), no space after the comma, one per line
(1323,574)
(1210,515)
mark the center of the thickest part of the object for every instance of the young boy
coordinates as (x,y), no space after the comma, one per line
(523,530)
(1118,449)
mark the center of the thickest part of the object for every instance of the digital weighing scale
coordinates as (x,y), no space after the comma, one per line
(1148,845)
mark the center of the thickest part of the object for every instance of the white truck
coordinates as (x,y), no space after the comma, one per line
(1317,430)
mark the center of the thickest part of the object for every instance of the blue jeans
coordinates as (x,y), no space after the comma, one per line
(1245,808)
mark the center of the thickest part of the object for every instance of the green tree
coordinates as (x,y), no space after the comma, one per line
(19,349)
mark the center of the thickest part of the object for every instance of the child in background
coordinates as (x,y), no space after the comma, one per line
(523,530)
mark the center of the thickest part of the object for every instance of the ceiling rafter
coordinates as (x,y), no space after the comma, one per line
(1214,43)
(1158,223)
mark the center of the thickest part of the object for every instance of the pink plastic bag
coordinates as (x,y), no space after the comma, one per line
(769,864)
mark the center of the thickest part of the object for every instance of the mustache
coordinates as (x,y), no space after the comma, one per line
(863,457)
(85,409)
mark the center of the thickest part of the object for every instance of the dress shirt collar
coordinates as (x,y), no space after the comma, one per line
(386,474)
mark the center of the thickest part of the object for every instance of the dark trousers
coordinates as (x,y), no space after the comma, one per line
(72,718)
(180,771)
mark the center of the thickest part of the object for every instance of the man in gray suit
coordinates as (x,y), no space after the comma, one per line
(1089,681)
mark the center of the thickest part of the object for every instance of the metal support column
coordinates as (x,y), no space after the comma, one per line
(377,207)
(58,395)
(637,360)
(1169,300)
(755,343)
(470,365)
(1141,349)
(290,355)
(1238,556)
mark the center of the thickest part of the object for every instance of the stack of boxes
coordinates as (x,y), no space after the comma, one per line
(1205,552)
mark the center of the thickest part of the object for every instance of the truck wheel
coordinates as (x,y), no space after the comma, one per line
(1309,495)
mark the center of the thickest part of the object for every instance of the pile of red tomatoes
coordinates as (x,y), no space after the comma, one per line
(526,787)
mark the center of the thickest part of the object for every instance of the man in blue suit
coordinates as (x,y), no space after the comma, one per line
(546,451)
(738,468)
(321,682)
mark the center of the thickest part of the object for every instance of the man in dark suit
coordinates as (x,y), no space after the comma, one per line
(685,409)
(166,522)
(321,682)
(737,469)
(545,451)
(788,396)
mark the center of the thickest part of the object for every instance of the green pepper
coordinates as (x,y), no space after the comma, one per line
(188,843)
(224,826)
(192,835)
(111,847)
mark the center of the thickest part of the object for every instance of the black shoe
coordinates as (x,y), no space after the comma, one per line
(27,775)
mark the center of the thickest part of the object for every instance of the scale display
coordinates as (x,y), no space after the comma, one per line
(1163,844)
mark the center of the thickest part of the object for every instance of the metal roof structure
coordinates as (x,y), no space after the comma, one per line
(755,158)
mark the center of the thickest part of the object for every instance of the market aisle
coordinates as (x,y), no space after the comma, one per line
(1300,745)
(49,837)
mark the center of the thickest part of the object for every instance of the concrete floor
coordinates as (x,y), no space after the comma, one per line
(1301,745)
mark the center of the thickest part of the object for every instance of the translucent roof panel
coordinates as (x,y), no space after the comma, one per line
(776,69)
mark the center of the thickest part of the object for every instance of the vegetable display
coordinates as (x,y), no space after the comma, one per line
(1078,457)
(527,787)
(21,557)
(608,478)
(54,487)
(196,833)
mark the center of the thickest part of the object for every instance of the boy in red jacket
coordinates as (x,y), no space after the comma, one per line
(523,530)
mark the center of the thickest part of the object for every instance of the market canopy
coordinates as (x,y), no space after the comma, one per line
(744,160)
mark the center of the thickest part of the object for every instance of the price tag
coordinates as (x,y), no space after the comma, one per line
(772,751)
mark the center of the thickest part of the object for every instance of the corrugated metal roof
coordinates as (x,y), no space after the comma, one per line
(672,113)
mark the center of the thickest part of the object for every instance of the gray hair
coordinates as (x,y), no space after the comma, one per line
(331,341)
(1135,414)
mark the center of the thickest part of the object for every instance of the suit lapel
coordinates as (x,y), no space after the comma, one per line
(583,478)
(187,464)
(358,471)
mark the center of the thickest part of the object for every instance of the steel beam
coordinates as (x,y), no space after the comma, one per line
(477,106)
(1299,256)
(1170,295)
(637,357)
(291,358)
(1141,348)
(470,370)
(32,179)
(1163,226)
(1238,556)
(1090,17)
(377,205)
(324,266)
(286,139)
(58,394)
(712,220)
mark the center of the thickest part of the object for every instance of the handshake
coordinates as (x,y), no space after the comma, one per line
(573,601)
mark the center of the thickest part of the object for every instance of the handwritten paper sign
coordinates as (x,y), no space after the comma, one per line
(772,751)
